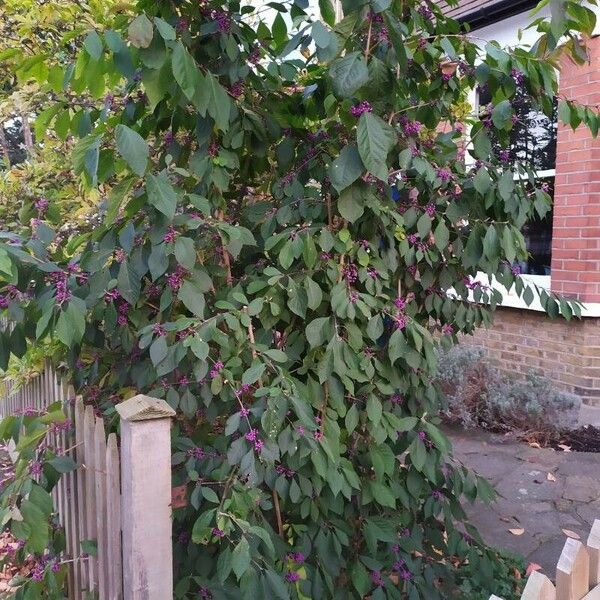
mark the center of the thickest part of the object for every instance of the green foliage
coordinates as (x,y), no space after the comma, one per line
(26,507)
(284,226)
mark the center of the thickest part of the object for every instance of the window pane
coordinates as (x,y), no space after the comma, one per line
(533,136)
(538,237)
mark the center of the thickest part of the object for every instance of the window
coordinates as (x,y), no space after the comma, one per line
(533,142)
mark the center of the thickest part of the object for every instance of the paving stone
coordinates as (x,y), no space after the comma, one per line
(542,509)
(581,488)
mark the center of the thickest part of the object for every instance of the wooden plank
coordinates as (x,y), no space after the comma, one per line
(538,587)
(594,594)
(100,458)
(572,571)
(81,493)
(72,520)
(113,520)
(90,490)
(593,548)
(57,393)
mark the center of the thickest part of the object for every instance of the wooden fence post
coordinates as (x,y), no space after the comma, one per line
(538,587)
(593,547)
(572,571)
(146,498)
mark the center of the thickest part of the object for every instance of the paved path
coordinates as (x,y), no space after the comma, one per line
(528,499)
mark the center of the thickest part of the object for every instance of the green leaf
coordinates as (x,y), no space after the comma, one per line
(279,30)
(192,298)
(375,140)
(224,564)
(89,547)
(140,32)
(166,31)
(382,494)
(349,74)
(321,35)
(502,115)
(254,373)
(351,420)
(93,45)
(133,148)
(491,244)
(34,517)
(116,197)
(351,203)
(327,12)
(128,282)
(424,225)
(71,324)
(374,410)
(185,71)
(212,97)
(442,236)
(185,252)
(346,168)
(317,331)
(277,355)
(199,347)
(482,181)
(63,464)
(482,146)
(158,350)
(240,558)
(161,194)
(506,185)
(277,586)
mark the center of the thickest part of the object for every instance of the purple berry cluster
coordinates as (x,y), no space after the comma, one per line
(359,109)
(410,128)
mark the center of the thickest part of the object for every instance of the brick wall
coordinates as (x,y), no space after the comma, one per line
(576,224)
(568,353)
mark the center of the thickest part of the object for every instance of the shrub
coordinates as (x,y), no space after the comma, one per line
(478,394)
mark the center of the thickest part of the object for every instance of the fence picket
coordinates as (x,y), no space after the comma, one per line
(100,488)
(538,587)
(80,484)
(113,520)
(572,571)
(88,500)
(90,489)
(594,594)
(593,548)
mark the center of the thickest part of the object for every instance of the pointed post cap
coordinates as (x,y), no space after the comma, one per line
(144,408)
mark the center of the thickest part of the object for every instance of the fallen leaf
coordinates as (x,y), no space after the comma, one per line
(550,477)
(564,447)
(534,445)
(571,534)
(531,567)
(518,531)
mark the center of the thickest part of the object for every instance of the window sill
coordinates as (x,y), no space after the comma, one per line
(510,299)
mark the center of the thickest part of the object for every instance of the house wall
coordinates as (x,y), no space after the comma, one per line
(523,340)
(576,225)
(566,352)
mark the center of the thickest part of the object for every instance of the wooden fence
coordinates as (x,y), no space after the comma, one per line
(577,573)
(89,501)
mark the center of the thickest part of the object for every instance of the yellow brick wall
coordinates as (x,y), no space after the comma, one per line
(568,353)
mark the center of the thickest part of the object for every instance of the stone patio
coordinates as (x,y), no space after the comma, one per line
(529,499)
